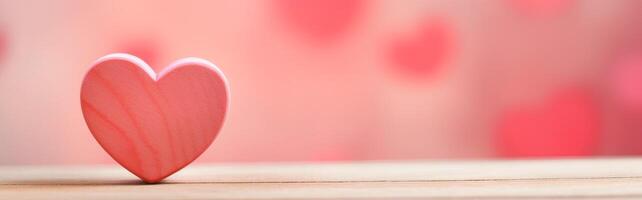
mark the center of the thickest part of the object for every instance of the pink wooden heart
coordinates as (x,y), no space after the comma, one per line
(154,125)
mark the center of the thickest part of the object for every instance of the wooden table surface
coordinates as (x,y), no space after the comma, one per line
(518,179)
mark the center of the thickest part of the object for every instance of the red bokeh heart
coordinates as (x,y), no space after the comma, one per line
(3,44)
(154,125)
(422,54)
(320,20)
(566,124)
(626,81)
(541,8)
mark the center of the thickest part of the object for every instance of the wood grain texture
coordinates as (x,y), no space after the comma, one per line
(521,179)
(153,125)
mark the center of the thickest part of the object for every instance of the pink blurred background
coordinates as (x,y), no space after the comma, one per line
(327,80)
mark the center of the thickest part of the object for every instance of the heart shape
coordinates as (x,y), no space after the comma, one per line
(154,125)
(3,44)
(542,8)
(423,53)
(626,81)
(323,20)
(566,124)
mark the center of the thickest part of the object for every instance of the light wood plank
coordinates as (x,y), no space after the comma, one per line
(522,179)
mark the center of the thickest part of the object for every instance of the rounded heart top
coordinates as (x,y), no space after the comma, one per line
(154,125)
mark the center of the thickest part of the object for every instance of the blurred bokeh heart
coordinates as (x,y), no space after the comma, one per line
(321,20)
(423,52)
(3,44)
(541,8)
(564,124)
(626,80)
